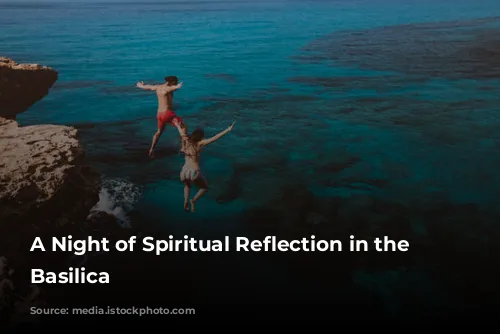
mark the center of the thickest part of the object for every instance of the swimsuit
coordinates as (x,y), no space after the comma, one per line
(190,174)
(168,116)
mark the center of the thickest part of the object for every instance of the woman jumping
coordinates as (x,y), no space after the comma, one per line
(191,173)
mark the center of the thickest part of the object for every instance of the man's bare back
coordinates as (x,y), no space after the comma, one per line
(165,98)
(164,92)
(165,115)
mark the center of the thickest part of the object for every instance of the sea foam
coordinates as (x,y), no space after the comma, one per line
(117,197)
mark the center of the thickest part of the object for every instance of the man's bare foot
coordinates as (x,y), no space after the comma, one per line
(192,206)
(186,206)
(151,154)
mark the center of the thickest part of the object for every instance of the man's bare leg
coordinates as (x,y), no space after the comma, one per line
(156,136)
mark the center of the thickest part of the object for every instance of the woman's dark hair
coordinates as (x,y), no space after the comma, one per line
(172,80)
(197,135)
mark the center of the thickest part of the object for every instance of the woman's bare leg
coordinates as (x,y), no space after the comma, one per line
(200,193)
(187,191)
(203,185)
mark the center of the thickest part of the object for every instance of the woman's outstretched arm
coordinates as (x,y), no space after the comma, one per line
(205,142)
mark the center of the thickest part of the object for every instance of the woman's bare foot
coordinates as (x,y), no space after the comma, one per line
(192,206)
(151,154)
(186,206)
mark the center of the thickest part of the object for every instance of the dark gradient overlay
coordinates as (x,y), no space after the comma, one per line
(451,273)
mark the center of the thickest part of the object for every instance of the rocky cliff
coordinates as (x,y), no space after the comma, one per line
(46,188)
(43,175)
(22,85)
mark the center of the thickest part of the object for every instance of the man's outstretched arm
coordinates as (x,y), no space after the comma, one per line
(141,85)
(175,87)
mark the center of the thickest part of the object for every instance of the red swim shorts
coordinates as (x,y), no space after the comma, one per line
(167,116)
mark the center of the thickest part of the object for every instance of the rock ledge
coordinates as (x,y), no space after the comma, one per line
(22,85)
(44,180)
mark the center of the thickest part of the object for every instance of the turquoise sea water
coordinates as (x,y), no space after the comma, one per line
(350,99)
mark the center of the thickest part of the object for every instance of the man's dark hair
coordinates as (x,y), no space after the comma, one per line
(172,80)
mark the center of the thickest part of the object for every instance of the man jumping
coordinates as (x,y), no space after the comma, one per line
(165,93)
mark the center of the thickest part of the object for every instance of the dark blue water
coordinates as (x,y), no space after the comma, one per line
(356,102)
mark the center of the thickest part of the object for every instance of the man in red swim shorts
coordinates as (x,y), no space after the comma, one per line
(165,115)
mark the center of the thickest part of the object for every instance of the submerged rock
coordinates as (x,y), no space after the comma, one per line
(465,49)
